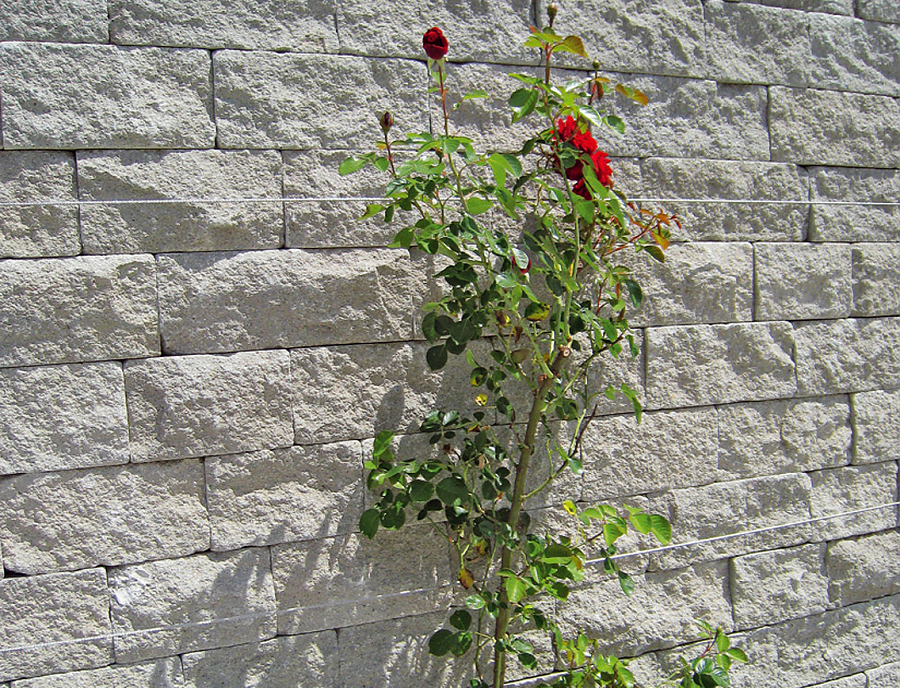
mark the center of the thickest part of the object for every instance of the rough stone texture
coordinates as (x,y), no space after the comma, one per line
(749,43)
(812,127)
(197,226)
(878,10)
(731,180)
(307,25)
(829,6)
(864,568)
(262,99)
(714,364)
(853,55)
(847,355)
(885,676)
(295,662)
(198,405)
(725,508)
(285,495)
(102,308)
(65,21)
(113,98)
(770,437)
(115,515)
(165,673)
(348,580)
(38,230)
(181,605)
(854,221)
(875,428)
(855,681)
(803,281)
(769,587)
(54,623)
(875,279)
(623,458)
(370,297)
(838,490)
(60,417)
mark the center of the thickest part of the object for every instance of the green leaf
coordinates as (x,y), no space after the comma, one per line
(660,528)
(573,44)
(476,206)
(382,444)
(515,589)
(436,357)
(371,209)
(441,642)
(351,165)
(626,583)
(642,522)
(368,522)
(611,533)
(420,490)
(655,252)
(737,654)
(513,164)
(382,164)
(722,642)
(634,290)
(453,489)
(461,619)
(475,602)
(614,122)
(523,102)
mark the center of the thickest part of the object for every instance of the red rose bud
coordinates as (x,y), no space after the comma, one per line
(387,121)
(434,43)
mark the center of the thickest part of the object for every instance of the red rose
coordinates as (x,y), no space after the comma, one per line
(600,163)
(434,43)
(584,142)
(566,128)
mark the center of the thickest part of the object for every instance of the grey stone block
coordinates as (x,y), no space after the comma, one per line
(852,220)
(837,490)
(69,310)
(98,96)
(288,298)
(175,606)
(749,43)
(854,681)
(165,673)
(348,580)
(188,226)
(770,437)
(829,6)
(864,568)
(730,180)
(115,515)
(803,281)
(265,99)
(198,405)
(299,493)
(304,25)
(38,230)
(769,587)
(885,676)
(54,623)
(65,21)
(836,356)
(715,364)
(875,279)
(875,430)
(813,127)
(878,10)
(61,417)
(295,662)
(854,55)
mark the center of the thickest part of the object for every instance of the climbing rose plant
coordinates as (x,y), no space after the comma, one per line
(545,303)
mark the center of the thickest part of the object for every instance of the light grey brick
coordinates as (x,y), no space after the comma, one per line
(69,310)
(813,127)
(878,10)
(98,96)
(875,279)
(829,6)
(835,356)
(38,230)
(749,43)
(188,226)
(165,673)
(885,676)
(803,281)
(54,623)
(300,493)
(715,364)
(837,490)
(65,21)
(769,587)
(175,606)
(370,297)
(348,580)
(263,99)
(770,437)
(650,456)
(59,417)
(731,180)
(304,25)
(723,508)
(864,568)
(295,662)
(198,405)
(875,429)
(854,222)
(114,515)
(854,55)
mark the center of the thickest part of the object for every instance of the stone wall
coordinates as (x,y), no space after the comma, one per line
(187,390)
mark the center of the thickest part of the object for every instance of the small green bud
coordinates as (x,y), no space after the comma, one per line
(387,121)
(552,9)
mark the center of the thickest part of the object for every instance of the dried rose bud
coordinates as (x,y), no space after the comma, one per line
(387,121)
(552,9)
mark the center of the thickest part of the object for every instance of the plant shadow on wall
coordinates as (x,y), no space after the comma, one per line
(533,311)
